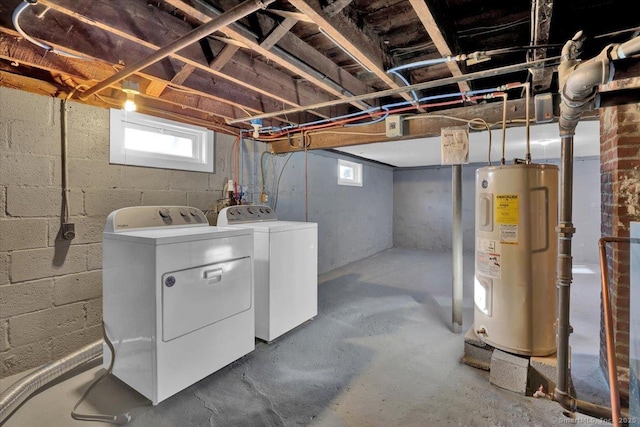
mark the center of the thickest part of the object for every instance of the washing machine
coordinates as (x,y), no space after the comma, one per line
(285,268)
(177,297)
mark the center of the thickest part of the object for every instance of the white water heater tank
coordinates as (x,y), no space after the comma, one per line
(515,257)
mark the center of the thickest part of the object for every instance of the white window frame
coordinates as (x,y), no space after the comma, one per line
(202,139)
(356,168)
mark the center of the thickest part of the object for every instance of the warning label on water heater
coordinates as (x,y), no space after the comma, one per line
(488,258)
(507,216)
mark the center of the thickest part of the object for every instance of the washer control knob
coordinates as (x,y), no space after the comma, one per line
(252,211)
(261,210)
(184,212)
(268,210)
(193,212)
(164,213)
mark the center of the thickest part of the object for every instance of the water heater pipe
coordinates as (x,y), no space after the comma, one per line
(564,277)
(579,83)
(235,13)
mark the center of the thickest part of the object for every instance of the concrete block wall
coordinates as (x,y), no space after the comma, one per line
(50,290)
(620,188)
(353,222)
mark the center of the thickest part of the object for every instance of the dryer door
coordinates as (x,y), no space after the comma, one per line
(200,296)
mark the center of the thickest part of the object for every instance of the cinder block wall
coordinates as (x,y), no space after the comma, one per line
(50,290)
(620,187)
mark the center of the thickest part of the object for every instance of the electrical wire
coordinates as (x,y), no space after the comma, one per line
(346,133)
(15,18)
(488,30)
(64,159)
(110,419)
(275,200)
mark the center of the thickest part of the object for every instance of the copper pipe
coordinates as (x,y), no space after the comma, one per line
(240,11)
(608,324)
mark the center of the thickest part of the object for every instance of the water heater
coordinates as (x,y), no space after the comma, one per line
(515,257)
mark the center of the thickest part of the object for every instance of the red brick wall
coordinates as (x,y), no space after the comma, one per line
(620,189)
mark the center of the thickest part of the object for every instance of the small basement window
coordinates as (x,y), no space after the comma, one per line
(142,140)
(349,173)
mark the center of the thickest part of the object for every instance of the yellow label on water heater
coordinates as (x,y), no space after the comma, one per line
(507,208)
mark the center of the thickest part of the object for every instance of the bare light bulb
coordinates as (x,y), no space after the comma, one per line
(130,103)
(131,89)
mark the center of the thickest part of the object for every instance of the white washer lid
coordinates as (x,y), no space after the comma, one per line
(163,236)
(276,226)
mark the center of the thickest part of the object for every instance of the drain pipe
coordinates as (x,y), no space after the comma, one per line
(579,83)
(229,17)
(21,390)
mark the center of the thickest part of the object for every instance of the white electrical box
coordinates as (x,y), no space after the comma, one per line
(394,125)
(543,107)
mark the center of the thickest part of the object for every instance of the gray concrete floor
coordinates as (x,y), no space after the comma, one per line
(379,353)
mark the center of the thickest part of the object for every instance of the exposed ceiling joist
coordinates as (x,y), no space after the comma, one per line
(13,48)
(310,57)
(435,33)
(541,15)
(99,16)
(289,14)
(335,7)
(278,31)
(151,106)
(427,127)
(367,50)
(250,41)
(223,57)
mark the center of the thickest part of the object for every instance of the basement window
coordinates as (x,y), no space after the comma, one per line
(141,140)
(349,173)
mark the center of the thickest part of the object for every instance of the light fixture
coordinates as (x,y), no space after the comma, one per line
(131,89)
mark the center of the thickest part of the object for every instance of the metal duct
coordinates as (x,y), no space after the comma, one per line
(20,391)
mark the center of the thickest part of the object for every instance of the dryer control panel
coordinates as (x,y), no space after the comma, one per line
(246,213)
(136,217)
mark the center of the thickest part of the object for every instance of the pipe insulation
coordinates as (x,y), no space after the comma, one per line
(21,390)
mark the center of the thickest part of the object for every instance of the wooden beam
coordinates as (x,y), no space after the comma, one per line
(427,127)
(14,48)
(289,14)
(436,35)
(223,57)
(155,88)
(249,40)
(108,15)
(541,77)
(278,32)
(366,49)
(335,7)
(182,75)
(308,55)
(157,108)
